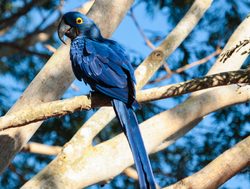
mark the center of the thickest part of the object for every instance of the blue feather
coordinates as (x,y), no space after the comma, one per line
(131,129)
(105,66)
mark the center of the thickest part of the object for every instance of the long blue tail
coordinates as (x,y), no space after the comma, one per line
(128,121)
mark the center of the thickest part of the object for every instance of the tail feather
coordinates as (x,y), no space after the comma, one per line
(128,121)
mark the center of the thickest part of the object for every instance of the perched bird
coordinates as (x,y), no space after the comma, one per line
(103,65)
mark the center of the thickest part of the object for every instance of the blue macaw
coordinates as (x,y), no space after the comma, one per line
(103,64)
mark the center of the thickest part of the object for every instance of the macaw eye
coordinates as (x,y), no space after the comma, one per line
(79,20)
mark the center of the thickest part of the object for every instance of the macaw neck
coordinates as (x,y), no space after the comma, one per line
(91,32)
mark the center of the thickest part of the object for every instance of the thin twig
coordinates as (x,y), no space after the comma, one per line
(42,149)
(199,62)
(20,176)
(50,48)
(166,67)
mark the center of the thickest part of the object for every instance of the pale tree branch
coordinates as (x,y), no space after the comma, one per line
(79,159)
(42,149)
(50,48)
(219,170)
(20,176)
(37,148)
(211,176)
(55,77)
(199,62)
(131,172)
(157,58)
(167,68)
(47,110)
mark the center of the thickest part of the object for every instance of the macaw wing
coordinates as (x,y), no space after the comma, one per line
(111,53)
(121,53)
(105,68)
(103,64)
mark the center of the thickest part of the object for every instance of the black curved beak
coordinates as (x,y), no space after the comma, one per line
(63,29)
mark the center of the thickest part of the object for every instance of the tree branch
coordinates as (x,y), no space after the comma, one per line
(20,176)
(42,149)
(157,58)
(47,110)
(219,170)
(37,148)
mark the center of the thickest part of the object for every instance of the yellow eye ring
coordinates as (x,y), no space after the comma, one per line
(79,20)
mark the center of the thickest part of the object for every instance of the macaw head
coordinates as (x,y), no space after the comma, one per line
(74,24)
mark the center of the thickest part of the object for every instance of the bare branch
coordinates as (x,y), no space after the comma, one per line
(219,170)
(47,110)
(228,53)
(166,67)
(157,58)
(42,149)
(130,172)
(50,48)
(20,176)
(199,62)
(37,148)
